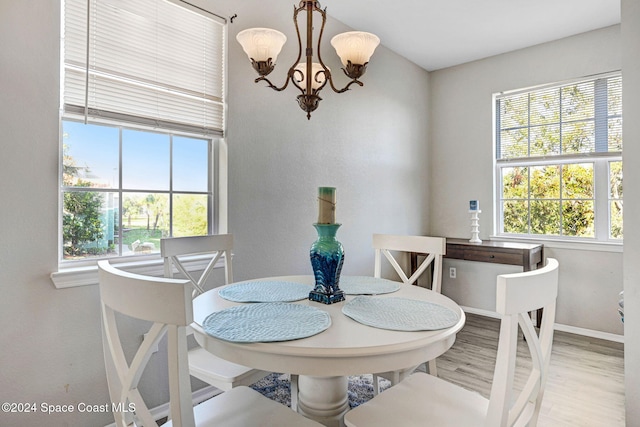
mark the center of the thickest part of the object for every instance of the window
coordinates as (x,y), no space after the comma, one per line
(559,161)
(142,117)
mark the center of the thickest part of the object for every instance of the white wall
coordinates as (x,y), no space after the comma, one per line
(462,141)
(631,103)
(370,143)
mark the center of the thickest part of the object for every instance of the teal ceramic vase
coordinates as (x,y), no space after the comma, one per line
(327,257)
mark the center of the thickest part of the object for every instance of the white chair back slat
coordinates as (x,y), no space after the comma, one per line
(517,295)
(174,251)
(432,247)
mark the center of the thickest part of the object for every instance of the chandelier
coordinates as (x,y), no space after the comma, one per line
(262,46)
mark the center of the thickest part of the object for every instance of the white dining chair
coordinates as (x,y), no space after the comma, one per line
(433,249)
(167,304)
(203,365)
(424,400)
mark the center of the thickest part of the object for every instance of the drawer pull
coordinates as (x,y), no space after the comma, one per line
(492,256)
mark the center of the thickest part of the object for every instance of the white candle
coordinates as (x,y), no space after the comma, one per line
(474,205)
(326,205)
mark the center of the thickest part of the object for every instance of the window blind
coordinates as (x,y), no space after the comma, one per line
(578,119)
(149,62)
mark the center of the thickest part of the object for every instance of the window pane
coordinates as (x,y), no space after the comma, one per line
(190,164)
(145,160)
(578,101)
(579,137)
(615,134)
(614,96)
(516,218)
(514,111)
(615,196)
(545,106)
(515,183)
(145,222)
(190,215)
(90,226)
(90,155)
(578,218)
(545,182)
(616,228)
(615,180)
(545,140)
(577,181)
(514,143)
(545,217)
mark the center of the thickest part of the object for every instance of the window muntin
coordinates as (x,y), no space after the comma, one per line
(555,147)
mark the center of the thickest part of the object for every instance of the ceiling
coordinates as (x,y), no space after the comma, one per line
(437,34)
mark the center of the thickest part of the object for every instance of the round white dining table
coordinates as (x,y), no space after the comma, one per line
(324,361)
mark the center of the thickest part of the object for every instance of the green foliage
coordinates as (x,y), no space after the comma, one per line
(81,221)
(615,185)
(533,203)
(189,215)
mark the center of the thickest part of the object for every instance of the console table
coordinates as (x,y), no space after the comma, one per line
(529,256)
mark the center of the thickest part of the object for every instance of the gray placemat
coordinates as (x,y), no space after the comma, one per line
(266,322)
(266,291)
(400,314)
(367,285)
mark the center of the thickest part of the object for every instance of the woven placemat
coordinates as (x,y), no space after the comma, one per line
(266,322)
(400,314)
(266,291)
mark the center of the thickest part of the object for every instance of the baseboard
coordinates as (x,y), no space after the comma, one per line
(589,333)
(558,326)
(198,396)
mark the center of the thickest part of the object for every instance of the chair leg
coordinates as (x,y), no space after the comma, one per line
(431,367)
(376,385)
(294,392)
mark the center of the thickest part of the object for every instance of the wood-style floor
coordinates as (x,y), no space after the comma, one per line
(586,375)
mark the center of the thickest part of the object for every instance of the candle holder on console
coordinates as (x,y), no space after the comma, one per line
(474,211)
(327,253)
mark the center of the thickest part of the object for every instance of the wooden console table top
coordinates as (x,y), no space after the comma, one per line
(528,255)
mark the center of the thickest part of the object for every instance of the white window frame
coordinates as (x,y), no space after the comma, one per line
(600,160)
(79,273)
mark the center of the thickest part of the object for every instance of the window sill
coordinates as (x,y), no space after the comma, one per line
(72,277)
(565,244)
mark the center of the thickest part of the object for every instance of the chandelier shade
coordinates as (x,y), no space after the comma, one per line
(355,47)
(262,46)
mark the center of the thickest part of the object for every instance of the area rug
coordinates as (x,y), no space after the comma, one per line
(277,387)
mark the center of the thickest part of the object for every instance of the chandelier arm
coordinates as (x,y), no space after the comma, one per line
(271,85)
(347,87)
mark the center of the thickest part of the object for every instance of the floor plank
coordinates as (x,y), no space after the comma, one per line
(586,375)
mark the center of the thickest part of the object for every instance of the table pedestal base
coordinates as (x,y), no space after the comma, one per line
(323,399)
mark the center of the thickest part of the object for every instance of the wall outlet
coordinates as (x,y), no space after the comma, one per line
(452,272)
